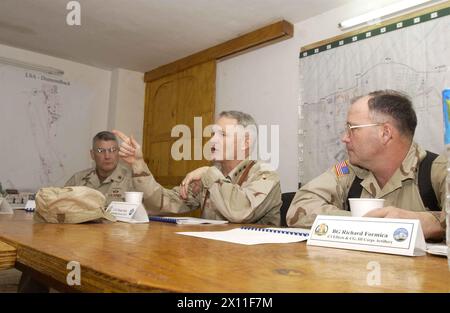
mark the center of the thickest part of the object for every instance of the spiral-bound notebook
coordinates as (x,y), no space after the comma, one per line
(254,235)
(184,220)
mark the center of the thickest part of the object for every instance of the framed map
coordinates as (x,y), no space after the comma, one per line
(45,129)
(412,56)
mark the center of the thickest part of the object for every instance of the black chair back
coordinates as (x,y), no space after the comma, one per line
(287,199)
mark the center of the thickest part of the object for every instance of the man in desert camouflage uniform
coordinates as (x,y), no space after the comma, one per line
(109,176)
(384,162)
(236,188)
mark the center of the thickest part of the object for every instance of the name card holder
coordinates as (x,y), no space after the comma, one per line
(128,212)
(5,207)
(384,235)
(30,206)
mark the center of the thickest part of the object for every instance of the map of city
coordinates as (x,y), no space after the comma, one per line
(43,126)
(414,60)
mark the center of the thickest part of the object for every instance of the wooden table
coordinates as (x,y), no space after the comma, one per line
(152,257)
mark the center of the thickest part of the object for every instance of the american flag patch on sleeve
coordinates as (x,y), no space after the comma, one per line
(341,168)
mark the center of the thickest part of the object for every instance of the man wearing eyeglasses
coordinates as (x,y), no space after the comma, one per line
(109,176)
(383,162)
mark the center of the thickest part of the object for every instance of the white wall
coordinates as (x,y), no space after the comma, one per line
(265,82)
(127,95)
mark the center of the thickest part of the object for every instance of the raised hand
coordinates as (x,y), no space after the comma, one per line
(130,151)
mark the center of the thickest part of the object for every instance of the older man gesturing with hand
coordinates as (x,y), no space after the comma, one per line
(235,188)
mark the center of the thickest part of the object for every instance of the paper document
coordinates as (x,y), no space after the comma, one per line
(437,248)
(254,235)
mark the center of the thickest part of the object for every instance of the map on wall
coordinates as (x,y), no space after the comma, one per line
(43,131)
(412,56)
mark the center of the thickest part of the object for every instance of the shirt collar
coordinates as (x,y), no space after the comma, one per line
(116,176)
(407,170)
(236,172)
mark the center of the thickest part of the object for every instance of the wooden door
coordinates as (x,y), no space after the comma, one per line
(171,100)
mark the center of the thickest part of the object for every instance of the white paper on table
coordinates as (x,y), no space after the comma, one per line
(252,235)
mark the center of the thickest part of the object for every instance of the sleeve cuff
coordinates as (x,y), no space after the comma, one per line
(140,168)
(212,175)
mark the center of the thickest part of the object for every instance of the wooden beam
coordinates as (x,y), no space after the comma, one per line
(271,33)
(372,27)
(8,256)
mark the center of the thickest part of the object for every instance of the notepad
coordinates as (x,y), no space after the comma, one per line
(185,220)
(437,248)
(254,235)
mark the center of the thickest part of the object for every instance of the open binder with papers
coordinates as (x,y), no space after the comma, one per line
(253,235)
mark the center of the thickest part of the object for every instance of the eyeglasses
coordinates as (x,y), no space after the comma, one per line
(103,150)
(349,127)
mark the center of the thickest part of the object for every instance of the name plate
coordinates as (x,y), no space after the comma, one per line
(30,206)
(5,207)
(128,212)
(385,235)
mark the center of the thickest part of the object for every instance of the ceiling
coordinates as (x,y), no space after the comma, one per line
(141,35)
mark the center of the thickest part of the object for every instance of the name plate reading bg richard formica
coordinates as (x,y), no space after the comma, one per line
(385,235)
